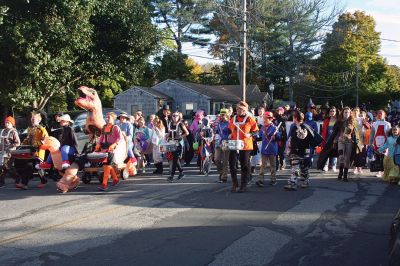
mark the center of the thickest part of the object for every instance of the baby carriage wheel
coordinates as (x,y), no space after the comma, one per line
(86,178)
(124,173)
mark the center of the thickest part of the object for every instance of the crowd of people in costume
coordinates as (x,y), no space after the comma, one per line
(241,137)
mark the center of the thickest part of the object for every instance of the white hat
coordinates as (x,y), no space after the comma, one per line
(66,118)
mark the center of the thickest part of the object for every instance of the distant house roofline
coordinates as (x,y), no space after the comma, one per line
(178,82)
(147,90)
(227,93)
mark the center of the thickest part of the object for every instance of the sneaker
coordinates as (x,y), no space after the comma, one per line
(356,171)
(170,179)
(65,164)
(43,165)
(325,169)
(144,170)
(21,186)
(398,183)
(334,169)
(116,184)
(181,174)
(101,188)
(222,181)
(379,174)
(291,187)
(41,185)
(273,182)
(260,183)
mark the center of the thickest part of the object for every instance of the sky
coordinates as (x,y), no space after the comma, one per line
(385,12)
(387,17)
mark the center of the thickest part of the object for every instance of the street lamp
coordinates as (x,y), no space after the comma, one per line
(271,89)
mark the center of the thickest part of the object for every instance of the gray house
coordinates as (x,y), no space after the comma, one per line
(186,97)
(145,99)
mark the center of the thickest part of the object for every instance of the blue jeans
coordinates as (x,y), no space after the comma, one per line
(66,152)
(130,149)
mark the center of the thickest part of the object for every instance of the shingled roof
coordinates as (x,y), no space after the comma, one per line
(152,91)
(227,93)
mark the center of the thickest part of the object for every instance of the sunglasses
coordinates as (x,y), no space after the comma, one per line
(175,115)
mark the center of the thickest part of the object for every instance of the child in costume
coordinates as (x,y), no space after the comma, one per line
(141,140)
(176,132)
(127,129)
(68,142)
(269,135)
(204,136)
(157,137)
(391,171)
(378,132)
(222,153)
(298,150)
(9,141)
(36,135)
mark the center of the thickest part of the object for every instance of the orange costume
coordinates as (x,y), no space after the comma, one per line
(95,123)
(246,125)
(69,180)
(35,137)
(110,138)
(242,127)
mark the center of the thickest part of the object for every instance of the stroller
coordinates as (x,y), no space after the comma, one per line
(93,164)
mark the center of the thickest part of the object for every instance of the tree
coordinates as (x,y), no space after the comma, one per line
(41,41)
(53,45)
(354,41)
(183,21)
(282,36)
(171,63)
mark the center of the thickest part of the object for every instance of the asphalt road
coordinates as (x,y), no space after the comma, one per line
(196,221)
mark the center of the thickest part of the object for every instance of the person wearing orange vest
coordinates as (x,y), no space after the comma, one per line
(242,126)
(109,139)
(379,131)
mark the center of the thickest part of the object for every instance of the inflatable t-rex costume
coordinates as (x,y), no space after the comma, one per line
(69,178)
(90,101)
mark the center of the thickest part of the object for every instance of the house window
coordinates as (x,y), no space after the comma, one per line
(189,108)
(135,108)
(217,106)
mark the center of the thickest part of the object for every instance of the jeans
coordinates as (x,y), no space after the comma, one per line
(66,152)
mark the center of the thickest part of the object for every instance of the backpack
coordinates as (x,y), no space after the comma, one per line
(315,138)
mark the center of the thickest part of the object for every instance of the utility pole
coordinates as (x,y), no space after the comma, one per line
(357,82)
(244,49)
